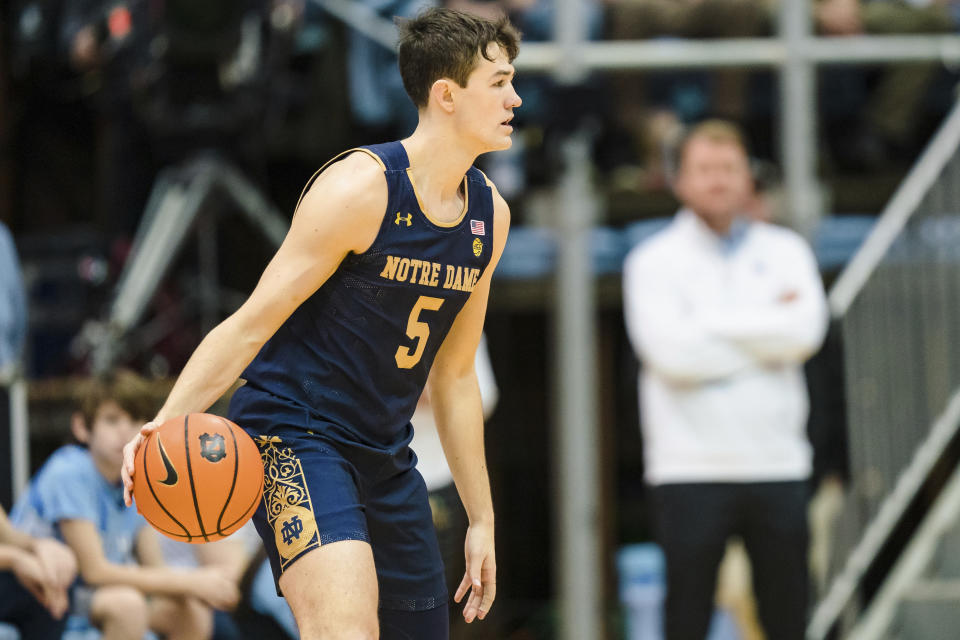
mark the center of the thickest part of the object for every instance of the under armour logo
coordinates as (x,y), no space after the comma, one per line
(408,219)
(291,529)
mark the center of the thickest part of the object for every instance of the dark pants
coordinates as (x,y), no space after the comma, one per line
(692,524)
(19,608)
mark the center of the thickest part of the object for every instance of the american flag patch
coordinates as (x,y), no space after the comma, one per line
(477,228)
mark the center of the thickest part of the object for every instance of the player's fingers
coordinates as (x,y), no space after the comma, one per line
(127,468)
(474,566)
(127,485)
(130,452)
(462,589)
(473,604)
(489,594)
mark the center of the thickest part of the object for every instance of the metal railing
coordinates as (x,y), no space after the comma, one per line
(14,386)
(897,302)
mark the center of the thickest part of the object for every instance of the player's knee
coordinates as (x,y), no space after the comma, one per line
(121,609)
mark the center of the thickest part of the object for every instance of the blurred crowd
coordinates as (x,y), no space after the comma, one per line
(104,104)
(282,83)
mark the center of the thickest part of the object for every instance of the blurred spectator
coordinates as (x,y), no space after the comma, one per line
(13,333)
(13,307)
(550,109)
(449,516)
(261,613)
(35,574)
(722,312)
(380,106)
(231,555)
(872,122)
(169,80)
(102,42)
(650,106)
(267,606)
(77,496)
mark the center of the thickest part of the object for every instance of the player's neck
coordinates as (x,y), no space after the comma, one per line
(438,176)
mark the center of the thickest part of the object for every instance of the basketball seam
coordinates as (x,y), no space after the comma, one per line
(146,475)
(193,490)
(236,469)
(242,518)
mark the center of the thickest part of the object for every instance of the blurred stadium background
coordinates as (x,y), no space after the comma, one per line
(133,134)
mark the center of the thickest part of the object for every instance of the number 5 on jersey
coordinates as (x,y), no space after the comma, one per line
(417,330)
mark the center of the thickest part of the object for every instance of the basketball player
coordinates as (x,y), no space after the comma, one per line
(385,271)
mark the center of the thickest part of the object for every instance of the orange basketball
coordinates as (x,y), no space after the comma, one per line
(197,478)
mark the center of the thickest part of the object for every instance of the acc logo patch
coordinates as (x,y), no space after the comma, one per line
(477,247)
(212,447)
(294,529)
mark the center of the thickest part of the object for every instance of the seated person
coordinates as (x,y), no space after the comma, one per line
(35,574)
(236,556)
(124,587)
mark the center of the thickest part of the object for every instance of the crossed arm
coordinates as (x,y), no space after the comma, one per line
(688,345)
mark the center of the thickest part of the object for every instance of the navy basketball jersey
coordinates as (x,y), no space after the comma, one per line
(356,353)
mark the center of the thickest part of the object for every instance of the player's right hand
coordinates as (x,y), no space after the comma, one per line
(214,587)
(129,454)
(480,577)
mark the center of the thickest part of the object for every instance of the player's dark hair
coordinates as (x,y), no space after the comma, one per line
(132,393)
(443,43)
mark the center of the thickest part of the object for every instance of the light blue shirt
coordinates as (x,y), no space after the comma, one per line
(69,487)
(13,302)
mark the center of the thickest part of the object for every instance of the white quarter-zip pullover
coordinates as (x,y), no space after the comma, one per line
(722,326)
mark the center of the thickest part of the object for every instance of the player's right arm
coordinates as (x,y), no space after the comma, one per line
(341,213)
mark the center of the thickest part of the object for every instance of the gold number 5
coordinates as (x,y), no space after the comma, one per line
(417,330)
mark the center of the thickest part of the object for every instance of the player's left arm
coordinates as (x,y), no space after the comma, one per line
(457,408)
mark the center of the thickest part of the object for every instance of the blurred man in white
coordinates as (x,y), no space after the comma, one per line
(723,311)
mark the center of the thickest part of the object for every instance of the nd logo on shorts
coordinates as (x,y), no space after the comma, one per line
(294,529)
(287,500)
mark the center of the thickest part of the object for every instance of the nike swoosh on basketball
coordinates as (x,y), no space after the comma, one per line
(172,476)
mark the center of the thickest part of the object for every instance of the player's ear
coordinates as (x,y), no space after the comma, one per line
(441,91)
(79,428)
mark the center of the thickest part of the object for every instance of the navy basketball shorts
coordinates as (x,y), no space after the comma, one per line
(320,487)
